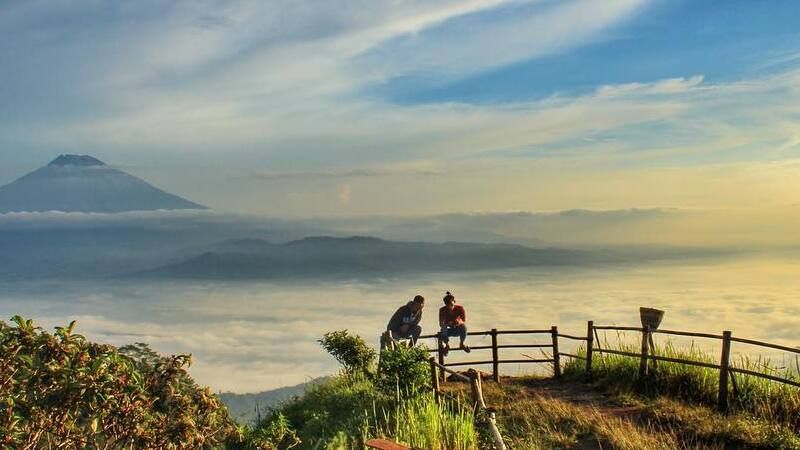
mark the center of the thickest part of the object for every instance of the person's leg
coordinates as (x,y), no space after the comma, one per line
(461,331)
(399,334)
(415,332)
(444,334)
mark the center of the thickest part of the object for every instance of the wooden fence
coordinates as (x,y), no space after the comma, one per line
(554,358)
(647,355)
(726,369)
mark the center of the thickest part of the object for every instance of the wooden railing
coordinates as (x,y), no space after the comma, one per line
(646,356)
(495,361)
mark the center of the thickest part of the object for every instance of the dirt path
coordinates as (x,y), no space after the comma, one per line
(515,392)
(578,394)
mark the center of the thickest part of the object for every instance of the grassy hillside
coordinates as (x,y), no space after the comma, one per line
(60,390)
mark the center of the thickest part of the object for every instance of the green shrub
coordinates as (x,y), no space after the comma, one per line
(60,390)
(404,369)
(350,350)
(273,433)
(338,405)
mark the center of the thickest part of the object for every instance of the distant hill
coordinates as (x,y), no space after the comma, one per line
(363,256)
(242,407)
(81,183)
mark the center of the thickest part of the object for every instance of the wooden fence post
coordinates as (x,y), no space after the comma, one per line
(477,390)
(556,356)
(645,351)
(435,379)
(589,347)
(495,358)
(724,364)
(440,354)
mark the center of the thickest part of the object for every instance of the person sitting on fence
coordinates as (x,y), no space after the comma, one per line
(452,319)
(404,323)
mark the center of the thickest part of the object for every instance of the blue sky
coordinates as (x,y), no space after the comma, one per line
(302,108)
(724,42)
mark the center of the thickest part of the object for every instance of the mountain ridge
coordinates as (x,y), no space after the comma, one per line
(82,183)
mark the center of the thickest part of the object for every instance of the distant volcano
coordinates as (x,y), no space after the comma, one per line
(81,183)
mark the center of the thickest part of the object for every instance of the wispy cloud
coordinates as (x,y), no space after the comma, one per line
(423,168)
(281,91)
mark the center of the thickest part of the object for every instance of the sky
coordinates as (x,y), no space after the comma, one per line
(357,107)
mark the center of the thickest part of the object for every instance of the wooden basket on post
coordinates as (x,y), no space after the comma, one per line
(651,317)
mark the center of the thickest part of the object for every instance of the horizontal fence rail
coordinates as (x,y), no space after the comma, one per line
(646,356)
(726,369)
(496,361)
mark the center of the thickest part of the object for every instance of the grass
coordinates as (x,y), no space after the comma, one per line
(672,409)
(346,410)
(422,423)
(533,417)
(765,399)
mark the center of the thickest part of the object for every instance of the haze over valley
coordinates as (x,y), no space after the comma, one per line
(232,180)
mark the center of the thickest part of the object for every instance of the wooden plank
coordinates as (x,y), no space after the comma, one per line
(688,333)
(519,361)
(570,355)
(468,363)
(659,358)
(577,338)
(724,363)
(766,344)
(524,346)
(589,346)
(556,357)
(459,349)
(607,327)
(440,354)
(617,352)
(495,357)
(764,375)
(523,332)
(383,444)
(645,350)
(435,379)
(684,361)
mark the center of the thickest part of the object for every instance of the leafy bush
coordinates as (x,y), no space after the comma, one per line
(338,405)
(59,390)
(350,350)
(273,433)
(404,369)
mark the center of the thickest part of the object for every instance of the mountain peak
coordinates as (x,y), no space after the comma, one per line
(76,160)
(81,183)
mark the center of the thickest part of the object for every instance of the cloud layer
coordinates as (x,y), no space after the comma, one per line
(267,106)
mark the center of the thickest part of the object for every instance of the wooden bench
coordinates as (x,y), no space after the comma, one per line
(383,444)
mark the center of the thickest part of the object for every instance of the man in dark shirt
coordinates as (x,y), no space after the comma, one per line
(452,319)
(405,321)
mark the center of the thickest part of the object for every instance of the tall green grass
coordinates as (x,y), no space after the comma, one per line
(347,410)
(421,422)
(766,399)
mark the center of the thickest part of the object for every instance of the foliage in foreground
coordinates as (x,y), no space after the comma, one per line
(404,370)
(60,390)
(358,404)
(350,350)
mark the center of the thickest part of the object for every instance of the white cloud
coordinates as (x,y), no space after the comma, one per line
(423,168)
(344,194)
